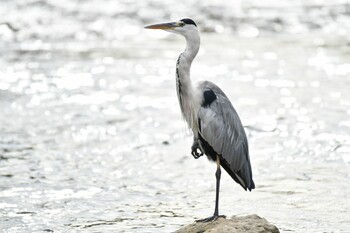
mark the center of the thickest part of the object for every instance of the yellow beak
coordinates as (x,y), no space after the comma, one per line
(163,26)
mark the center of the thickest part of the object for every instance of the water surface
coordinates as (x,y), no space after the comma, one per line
(91,133)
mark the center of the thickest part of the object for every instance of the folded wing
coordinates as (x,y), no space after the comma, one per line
(221,128)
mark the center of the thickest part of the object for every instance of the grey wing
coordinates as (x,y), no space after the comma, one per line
(221,127)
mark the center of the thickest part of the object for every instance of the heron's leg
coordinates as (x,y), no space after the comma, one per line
(195,149)
(218,177)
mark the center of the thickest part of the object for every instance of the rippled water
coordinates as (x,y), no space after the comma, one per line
(91,138)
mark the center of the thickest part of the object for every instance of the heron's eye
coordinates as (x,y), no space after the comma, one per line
(181,24)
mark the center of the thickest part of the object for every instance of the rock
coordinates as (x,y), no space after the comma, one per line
(250,224)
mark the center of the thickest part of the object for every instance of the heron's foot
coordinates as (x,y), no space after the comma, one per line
(195,150)
(211,218)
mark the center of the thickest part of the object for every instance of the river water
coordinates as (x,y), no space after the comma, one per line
(91,135)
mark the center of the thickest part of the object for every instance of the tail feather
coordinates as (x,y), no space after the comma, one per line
(242,177)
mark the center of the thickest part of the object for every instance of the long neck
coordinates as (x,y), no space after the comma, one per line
(185,59)
(185,91)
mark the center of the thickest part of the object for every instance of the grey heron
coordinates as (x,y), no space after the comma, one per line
(217,129)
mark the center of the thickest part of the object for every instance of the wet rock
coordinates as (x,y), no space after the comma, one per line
(249,224)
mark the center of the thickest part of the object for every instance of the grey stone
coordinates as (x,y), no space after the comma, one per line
(250,224)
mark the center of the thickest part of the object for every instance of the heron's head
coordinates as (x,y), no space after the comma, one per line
(185,27)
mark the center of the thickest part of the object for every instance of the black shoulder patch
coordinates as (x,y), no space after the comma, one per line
(209,97)
(188,21)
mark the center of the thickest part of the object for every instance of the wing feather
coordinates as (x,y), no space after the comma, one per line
(222,129)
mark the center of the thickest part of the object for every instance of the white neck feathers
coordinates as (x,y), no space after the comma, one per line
(188,97)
